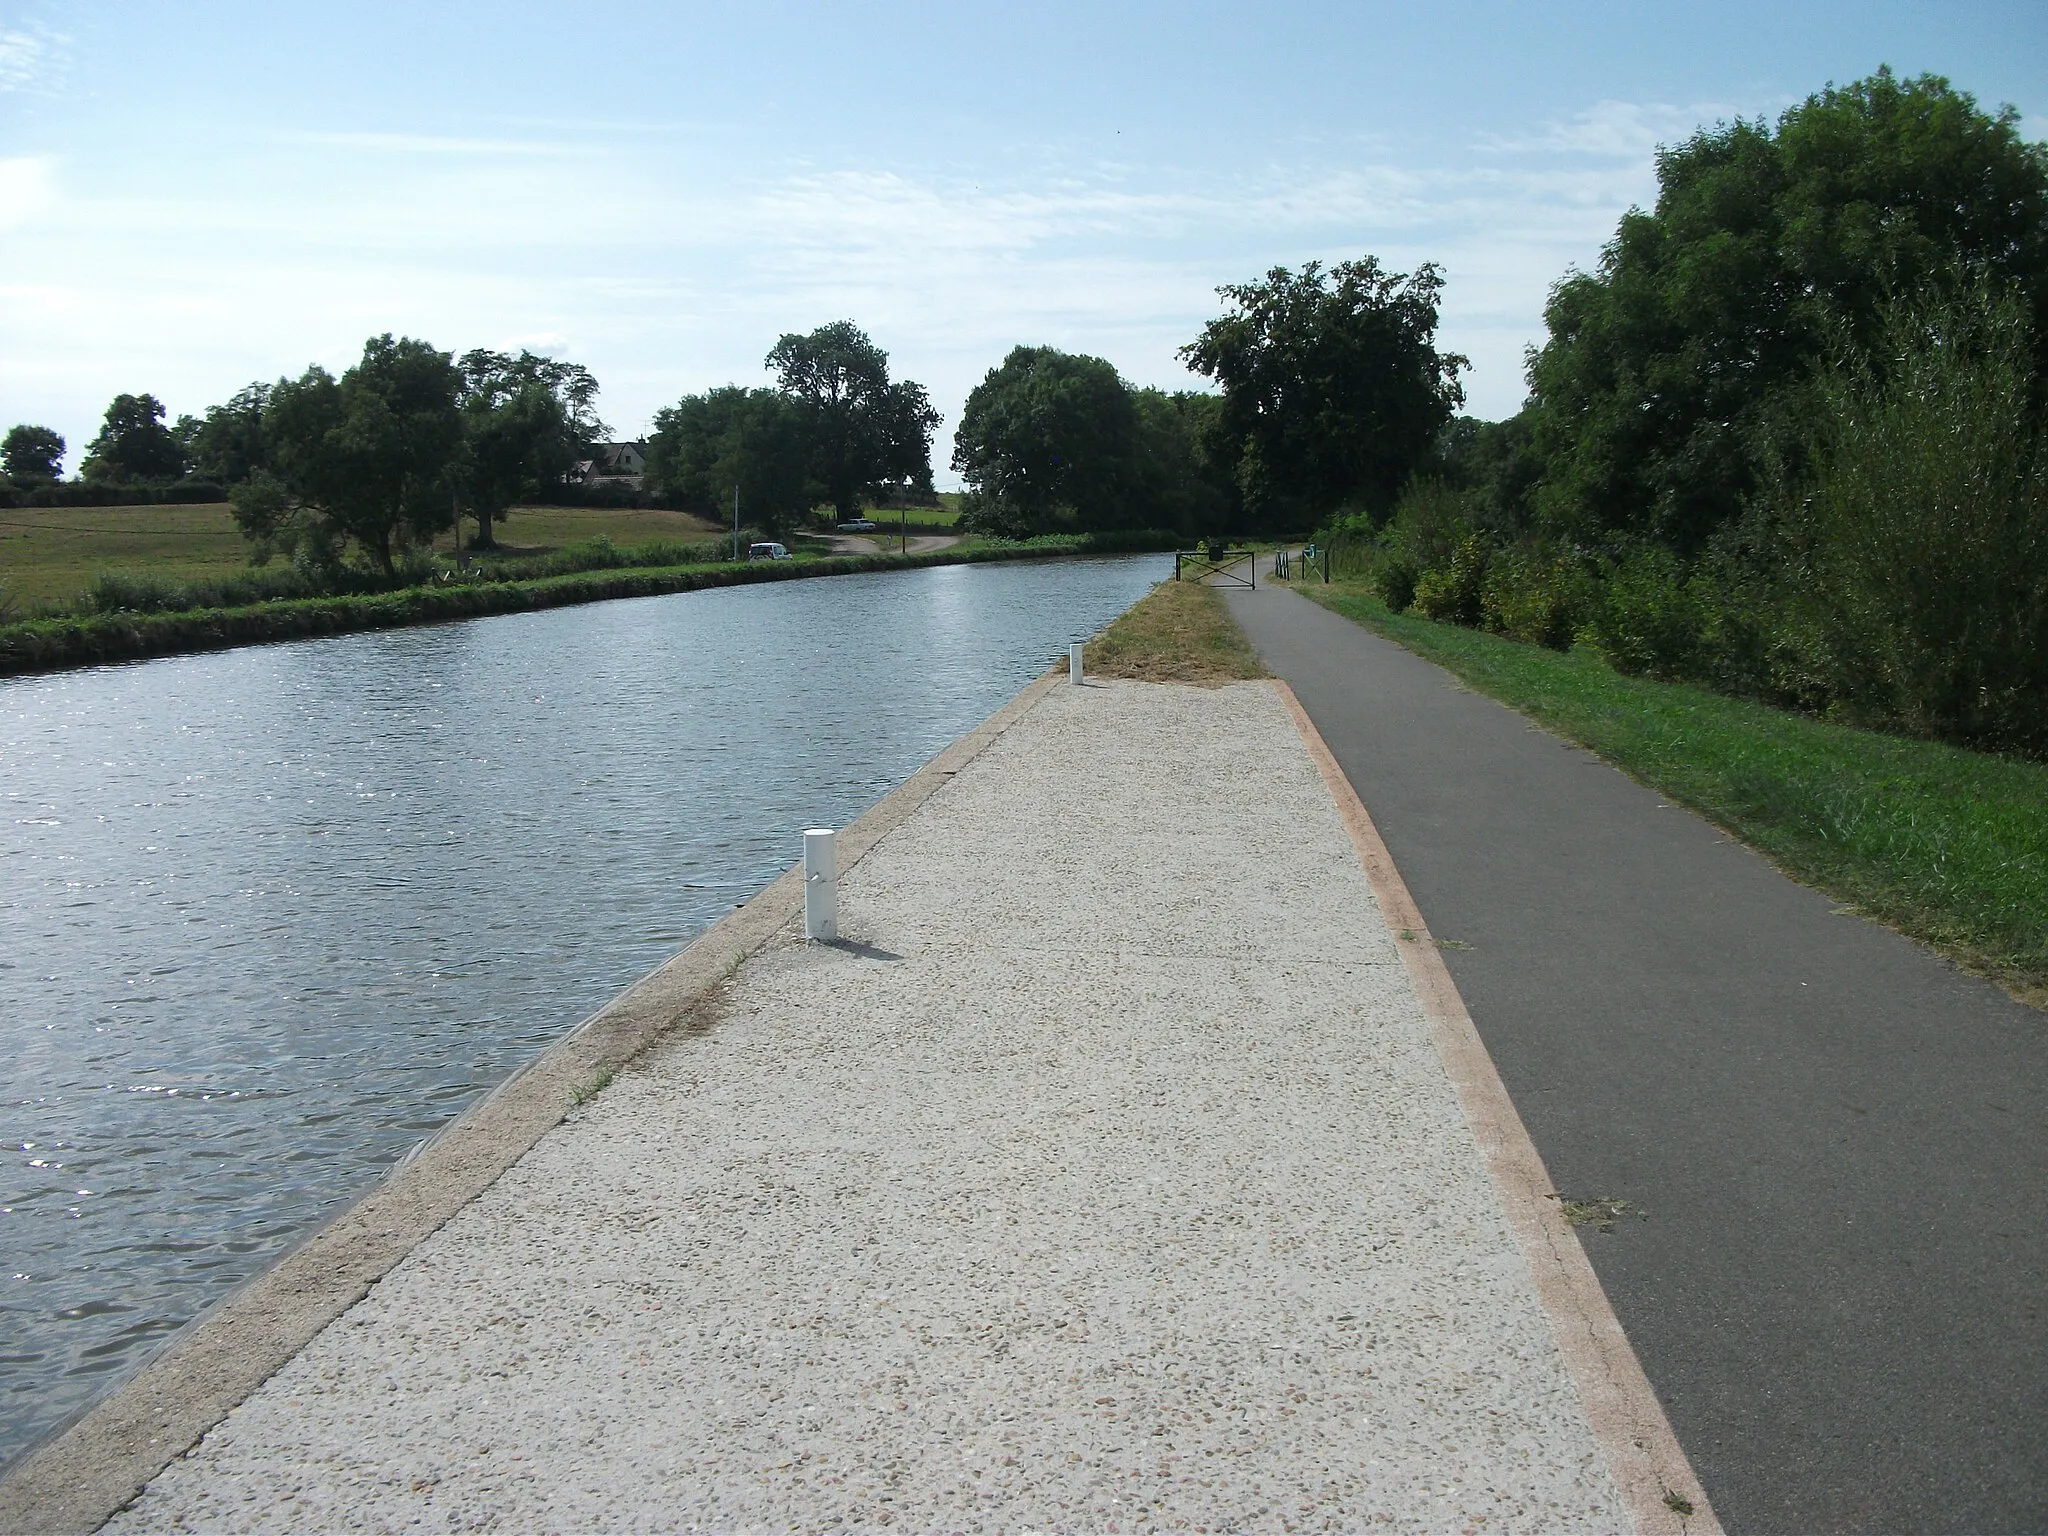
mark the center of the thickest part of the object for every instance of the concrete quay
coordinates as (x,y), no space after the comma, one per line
(1129,1165)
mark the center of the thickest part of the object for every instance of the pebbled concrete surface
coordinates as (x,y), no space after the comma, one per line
(1106,1178)
(1841,1292)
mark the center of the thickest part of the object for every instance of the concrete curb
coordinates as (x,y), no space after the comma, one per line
(1643,1455)
(76,1480)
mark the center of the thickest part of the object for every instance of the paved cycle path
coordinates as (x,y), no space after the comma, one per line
(1841,1142)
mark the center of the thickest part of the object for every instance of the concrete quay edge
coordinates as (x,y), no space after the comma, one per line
(87,1470)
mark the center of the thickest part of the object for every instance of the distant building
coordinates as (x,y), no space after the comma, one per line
(612,461)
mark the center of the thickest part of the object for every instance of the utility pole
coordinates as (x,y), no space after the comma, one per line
(455,501)
(735,521)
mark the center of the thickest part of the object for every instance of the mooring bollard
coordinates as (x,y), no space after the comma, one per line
(821,884)
(1074,663)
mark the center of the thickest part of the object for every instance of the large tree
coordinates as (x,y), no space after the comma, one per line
(366,460)
(751,441)
(32,455)
(1333,387)
(864,432)
(134,444)
(1048,441)
(1681,367)
(227,444)
(527,420)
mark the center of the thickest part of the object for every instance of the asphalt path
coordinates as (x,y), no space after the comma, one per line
(1839,1143)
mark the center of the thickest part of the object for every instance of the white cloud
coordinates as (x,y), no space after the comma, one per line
(1618,130)
(27,189)
(30,58)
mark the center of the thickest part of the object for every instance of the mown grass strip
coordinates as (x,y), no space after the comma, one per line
(1179,633)
(38,645)
(1944,844)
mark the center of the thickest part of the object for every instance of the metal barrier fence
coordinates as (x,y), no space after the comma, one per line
(1222,567)
(1304,564)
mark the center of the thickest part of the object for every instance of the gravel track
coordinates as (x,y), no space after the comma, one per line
(1106,1178)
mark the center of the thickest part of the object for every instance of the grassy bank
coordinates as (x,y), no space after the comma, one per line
(1947,845)
(1179,633)
(83,640)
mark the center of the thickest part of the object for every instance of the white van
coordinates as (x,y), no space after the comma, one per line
(767,552)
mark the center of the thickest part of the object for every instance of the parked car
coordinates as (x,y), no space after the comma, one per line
(767,552)
(858,525)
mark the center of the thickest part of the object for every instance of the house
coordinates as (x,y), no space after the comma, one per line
(612,461)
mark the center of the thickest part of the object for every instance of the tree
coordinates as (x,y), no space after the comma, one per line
(1047,441)
(32,454)
(366,460)
(863,431)
(133,444)
(753,440)
(1685,364)
(1177,484)
(1333,389)
(227,445)
(527,420)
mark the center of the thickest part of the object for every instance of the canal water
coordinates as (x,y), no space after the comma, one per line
(270,916)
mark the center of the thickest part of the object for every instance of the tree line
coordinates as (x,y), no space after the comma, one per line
(363,471)
(1787,439)
(1331,386)
(405,445)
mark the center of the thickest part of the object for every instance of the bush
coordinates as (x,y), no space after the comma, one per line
(76,493)
(1430,522)
(1644,619)
(600,493)
(146,592)
(1532,599)
(1453,592)
(1120,541)
(1925,530)
(1395,581)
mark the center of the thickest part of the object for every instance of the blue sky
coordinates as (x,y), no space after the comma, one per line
(198,195)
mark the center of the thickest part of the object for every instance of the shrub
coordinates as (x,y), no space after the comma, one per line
(1925,530)
(1395,581)
(1452,592)
(1644,619)
(146,592)
(1528,598)
(1430,522)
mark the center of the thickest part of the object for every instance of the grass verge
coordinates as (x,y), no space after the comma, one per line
(1946,845)
(1179,633)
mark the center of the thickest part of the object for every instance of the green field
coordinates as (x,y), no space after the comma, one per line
(1947,845)
(49,555)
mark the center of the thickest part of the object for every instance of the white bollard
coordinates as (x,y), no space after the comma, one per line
(821,885)
(1074,663)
